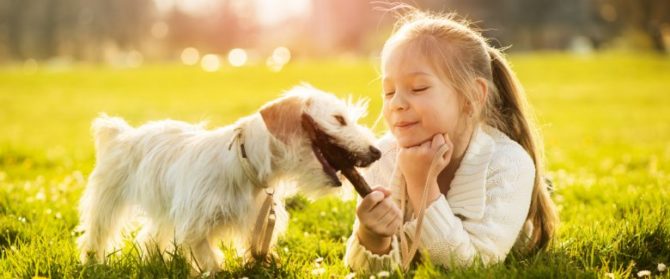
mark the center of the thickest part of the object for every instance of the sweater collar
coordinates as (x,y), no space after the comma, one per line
(467,195)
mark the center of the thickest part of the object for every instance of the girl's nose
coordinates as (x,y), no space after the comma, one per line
(398,101)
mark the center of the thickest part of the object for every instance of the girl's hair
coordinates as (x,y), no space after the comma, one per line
(461,55)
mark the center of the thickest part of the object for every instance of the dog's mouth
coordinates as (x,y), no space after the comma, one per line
(328,168)
(331,155)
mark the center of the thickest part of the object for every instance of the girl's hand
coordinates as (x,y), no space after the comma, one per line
(379,219)
(415,164)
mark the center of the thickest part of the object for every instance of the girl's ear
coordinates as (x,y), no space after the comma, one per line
(483,91)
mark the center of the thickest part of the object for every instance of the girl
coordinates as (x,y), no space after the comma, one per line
(446,90)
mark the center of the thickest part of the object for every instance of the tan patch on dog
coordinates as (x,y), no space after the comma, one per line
(282,118)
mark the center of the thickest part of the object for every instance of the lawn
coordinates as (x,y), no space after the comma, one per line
(605,120)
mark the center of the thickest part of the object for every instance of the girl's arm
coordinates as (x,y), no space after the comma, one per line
(452,241)
(359,258)
(382,254)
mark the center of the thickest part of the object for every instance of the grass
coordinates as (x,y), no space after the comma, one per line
(605,120)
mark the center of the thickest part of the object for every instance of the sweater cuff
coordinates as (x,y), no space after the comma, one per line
(438,224)
(360,258)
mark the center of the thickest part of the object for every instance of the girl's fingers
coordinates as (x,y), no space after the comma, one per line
(438,140)
(387,218)
(383,190)
(371,200)
(426,144)
(445,151)
(393,223)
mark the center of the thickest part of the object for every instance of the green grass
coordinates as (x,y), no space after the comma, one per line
(605,119)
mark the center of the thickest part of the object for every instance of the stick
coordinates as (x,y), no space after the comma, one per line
(357,180)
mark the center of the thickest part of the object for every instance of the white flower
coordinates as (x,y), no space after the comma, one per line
(318,271)
(350,275)
(318,260)
(661,267)
(643,273)
(383,274)
(40,196)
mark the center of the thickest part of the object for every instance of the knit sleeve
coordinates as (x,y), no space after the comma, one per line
(358,258)
(452,240)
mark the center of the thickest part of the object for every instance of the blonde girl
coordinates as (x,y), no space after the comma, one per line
(446,90)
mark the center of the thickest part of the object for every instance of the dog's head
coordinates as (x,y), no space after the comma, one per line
(321,132)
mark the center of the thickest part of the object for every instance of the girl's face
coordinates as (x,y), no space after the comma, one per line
(417,103)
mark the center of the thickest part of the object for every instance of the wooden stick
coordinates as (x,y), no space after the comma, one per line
(357,180)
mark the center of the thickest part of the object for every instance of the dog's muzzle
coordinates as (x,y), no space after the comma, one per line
(331,155)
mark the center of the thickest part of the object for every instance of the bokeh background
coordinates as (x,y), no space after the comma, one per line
(597,73)
(128,33)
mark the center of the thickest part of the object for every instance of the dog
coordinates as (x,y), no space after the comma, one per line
(194,185)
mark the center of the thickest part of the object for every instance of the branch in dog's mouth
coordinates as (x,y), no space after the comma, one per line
(334,158)
(327,167)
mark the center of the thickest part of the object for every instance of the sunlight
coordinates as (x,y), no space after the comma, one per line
(210,63)
(190,56)
(237,57)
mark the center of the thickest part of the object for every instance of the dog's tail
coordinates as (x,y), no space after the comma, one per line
(103,208)
(106,128)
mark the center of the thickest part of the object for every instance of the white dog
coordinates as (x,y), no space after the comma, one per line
(191,183)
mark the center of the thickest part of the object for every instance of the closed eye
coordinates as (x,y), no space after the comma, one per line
(421,89)
(388,94)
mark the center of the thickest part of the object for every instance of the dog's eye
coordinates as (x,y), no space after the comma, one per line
(341,120)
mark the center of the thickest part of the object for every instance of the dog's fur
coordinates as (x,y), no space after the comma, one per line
(190,185)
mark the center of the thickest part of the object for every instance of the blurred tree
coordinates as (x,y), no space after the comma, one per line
(651,17)
(96,29)
(42,29)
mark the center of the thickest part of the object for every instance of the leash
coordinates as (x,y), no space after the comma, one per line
(265,222)
(407,254)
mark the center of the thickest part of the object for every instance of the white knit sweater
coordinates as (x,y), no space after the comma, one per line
(481,216)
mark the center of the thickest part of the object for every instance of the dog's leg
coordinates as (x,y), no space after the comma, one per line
(207,256)
(103,211)
(153,238)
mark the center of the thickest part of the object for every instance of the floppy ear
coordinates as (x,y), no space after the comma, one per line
(309,126)
(283,118)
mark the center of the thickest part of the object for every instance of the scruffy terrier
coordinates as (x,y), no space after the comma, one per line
(196,187)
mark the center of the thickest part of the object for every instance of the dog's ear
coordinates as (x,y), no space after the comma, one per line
(309,126)
(283,117)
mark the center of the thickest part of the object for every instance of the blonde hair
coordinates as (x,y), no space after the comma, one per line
(461,54)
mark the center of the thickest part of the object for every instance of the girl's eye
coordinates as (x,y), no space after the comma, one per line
(421,89)
(389,94)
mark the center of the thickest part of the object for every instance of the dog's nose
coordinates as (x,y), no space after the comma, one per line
(376,154)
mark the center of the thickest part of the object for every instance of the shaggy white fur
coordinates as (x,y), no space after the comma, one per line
(189,183)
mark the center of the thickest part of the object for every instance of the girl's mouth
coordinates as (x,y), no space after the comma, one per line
(405,125)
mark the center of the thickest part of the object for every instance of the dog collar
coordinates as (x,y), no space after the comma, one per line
(249,170)
(265,222)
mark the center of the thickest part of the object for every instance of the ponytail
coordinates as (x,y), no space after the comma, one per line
(511,114)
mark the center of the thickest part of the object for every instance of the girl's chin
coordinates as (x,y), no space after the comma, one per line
(409,140)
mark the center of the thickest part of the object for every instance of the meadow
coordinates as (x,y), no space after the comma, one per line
(605,120)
